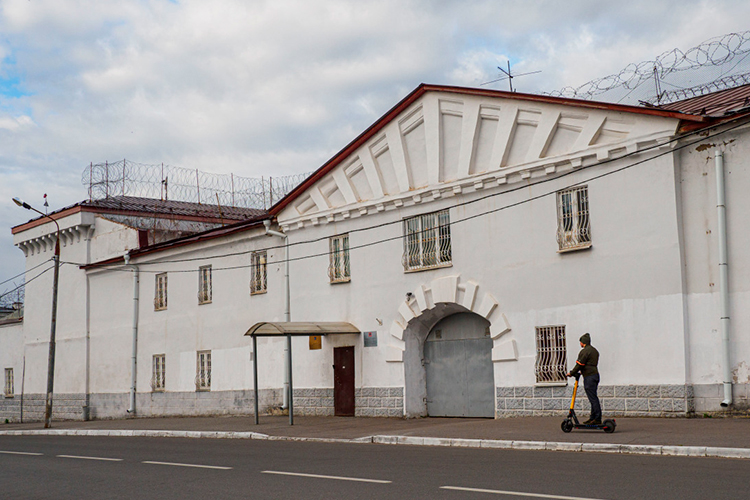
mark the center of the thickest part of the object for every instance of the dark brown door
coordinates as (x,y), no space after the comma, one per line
(343,381)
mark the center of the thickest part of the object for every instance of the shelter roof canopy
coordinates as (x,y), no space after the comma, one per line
(266,329)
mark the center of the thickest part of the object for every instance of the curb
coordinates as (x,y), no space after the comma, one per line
(626,449)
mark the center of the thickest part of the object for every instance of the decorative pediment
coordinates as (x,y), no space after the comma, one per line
(445,143)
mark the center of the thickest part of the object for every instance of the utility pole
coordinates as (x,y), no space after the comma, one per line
(53,325)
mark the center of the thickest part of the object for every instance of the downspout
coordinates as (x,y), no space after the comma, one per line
(287,311)
(134,359)
(723,277)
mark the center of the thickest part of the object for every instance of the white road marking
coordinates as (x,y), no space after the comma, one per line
(515,493)
(319,476)
(187,465)
(91,458)
(22,453)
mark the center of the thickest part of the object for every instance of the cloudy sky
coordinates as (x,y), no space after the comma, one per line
(277,87)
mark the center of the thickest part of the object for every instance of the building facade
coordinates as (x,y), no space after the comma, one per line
(471,236)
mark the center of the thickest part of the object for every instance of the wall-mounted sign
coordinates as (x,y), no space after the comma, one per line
(315,342)
(371,339)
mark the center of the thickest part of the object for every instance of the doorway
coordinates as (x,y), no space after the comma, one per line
(458,367)
(343,381)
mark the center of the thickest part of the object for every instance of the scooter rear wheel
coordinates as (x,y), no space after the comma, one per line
(566,425)
(609,426)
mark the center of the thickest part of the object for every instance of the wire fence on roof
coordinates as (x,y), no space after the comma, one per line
(166,182)
(718,63)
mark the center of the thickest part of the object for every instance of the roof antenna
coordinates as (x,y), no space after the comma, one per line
(509,76)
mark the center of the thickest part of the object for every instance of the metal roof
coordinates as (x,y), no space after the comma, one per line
(266,329)
(715,104)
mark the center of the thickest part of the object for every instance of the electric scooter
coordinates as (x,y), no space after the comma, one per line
(571,421)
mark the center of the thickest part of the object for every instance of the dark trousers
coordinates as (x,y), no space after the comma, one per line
(591,384)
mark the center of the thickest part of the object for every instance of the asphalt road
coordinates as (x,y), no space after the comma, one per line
(36,467)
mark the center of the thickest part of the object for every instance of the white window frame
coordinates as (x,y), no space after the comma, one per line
(203,371)
(339,270)
(551,355)
(9,386)
(205,285)
(160,292)
(573,219)
(258,272)
(159,372)
(427,242)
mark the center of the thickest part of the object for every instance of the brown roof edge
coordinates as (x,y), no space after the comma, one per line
(44,220)
(180,242)
(423,88)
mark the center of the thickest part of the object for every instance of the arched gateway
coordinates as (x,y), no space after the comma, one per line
(447,335)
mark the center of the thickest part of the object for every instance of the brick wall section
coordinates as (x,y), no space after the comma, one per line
(379,402)
(619,400)
(64,407)
(368,402)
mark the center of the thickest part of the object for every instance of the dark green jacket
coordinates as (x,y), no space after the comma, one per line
(588,359)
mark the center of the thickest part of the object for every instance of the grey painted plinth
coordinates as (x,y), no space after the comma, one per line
(368,401)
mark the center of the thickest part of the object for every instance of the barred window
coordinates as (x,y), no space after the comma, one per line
(551,356)
(258,275)
(9,389)
(427,241)
(573,226)
(160,295)
(158,377)
(203,371)
(338,268)
(205,292)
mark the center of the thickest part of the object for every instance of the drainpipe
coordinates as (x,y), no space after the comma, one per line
(134,359)
(723,276)
(287,312)
(87,404)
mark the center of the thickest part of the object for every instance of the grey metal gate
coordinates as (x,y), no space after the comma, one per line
(458,366)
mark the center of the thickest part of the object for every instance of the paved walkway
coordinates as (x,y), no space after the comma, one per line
(694,432)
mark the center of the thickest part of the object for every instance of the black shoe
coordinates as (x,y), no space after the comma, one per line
(588,422)
(597,421)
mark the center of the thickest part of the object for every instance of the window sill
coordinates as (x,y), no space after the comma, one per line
(440,266)
(160,309)
(551,384)
(338,282)
(576,248)
(9,396)
(205,302)
(259,292)
(207,389)
(157,390)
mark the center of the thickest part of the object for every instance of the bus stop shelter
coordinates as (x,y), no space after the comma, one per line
(289,330)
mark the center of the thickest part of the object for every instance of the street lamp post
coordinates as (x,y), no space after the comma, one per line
(53,325)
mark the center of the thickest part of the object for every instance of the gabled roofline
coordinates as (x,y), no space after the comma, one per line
(424,88)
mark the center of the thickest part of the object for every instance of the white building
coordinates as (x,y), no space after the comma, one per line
(471,235)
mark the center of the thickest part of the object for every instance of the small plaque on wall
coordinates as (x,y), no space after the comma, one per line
(315,342)
(371,339)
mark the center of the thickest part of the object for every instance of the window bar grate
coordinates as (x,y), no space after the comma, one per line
(573,224)
(339,268)
(427,241)
(551,358)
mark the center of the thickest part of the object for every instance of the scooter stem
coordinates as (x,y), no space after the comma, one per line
(575,390)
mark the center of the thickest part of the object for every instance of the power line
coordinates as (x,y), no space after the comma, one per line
(27,282)
(23,273)
(451,223)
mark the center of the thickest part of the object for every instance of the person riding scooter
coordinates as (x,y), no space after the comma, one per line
(587,362)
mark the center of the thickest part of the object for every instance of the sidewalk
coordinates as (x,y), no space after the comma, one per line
(731,433)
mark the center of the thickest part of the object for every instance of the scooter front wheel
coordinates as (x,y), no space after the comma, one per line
(566,425)
(609,426)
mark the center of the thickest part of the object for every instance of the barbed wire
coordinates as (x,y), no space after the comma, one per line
(167,182)
(675,68)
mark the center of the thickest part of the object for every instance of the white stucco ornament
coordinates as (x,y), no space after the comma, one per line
(450,290)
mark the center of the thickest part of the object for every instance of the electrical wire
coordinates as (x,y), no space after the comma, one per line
(27,282)
(451,223)
(23,273)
